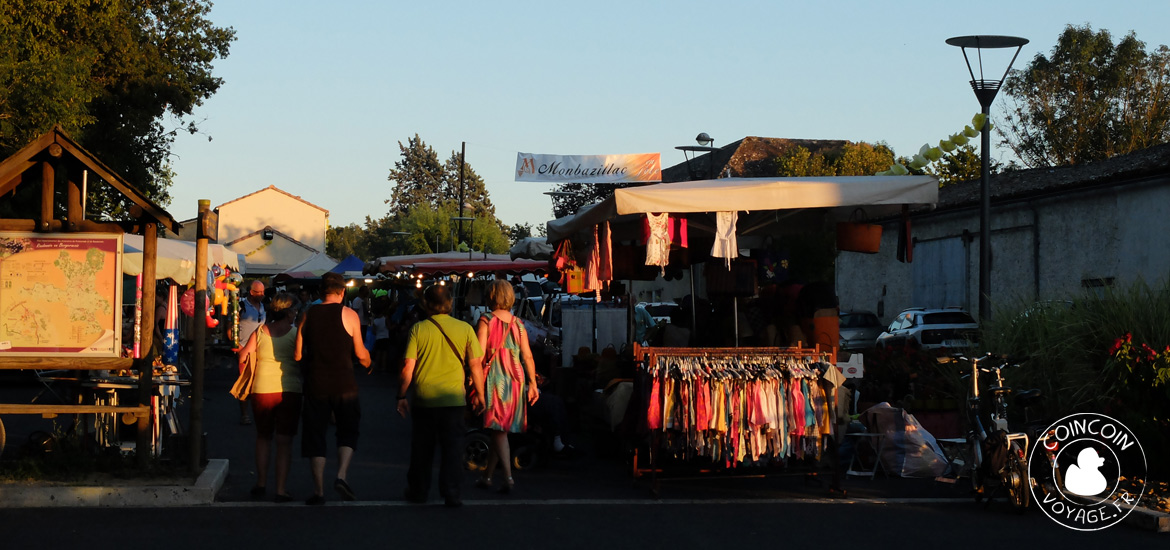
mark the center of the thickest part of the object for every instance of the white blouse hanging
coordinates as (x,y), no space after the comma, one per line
(725,245)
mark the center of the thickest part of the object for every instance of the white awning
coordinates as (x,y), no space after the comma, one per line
(176,259)
(754,194)
(879,196)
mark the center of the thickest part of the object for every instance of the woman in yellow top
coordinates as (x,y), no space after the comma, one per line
(276,392)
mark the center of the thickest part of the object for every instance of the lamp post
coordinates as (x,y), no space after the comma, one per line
(704,146)
(985,91)
(401,234)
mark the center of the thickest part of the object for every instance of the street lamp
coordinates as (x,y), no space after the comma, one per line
(704,146)
(401,234)
(985,91)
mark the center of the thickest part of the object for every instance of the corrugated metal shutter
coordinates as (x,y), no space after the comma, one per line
(940,274)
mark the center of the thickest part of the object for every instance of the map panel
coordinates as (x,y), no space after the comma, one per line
(60,294)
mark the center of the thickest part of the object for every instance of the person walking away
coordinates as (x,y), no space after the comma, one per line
(252,316)
(326,343)
(276,392)
(440,352)
(361,306)
(509,366)
(381,324)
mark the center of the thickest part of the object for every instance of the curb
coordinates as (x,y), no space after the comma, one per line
(1147,519)
(202,493)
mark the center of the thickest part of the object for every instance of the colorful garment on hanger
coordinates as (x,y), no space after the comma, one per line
(658,243)
(736,410)
(605,266)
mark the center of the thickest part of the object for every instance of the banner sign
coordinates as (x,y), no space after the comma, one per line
(644,167)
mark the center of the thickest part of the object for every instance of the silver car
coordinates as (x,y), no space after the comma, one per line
(859,330)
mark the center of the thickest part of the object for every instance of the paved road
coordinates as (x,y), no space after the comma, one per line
(582,503)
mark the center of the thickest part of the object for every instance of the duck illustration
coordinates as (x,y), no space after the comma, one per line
(1083,478)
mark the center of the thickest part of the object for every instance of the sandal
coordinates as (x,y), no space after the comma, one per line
(507,486)
(484,483)
(258,491)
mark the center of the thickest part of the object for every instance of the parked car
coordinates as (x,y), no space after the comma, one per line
(931,329)
(660,311)
(859,330)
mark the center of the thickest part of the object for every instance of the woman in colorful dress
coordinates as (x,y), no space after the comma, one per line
(276,392)
(509,379)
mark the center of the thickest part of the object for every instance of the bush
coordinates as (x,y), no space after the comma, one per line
(1095,354)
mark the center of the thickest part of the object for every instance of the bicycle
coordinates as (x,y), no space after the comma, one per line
(1000,456)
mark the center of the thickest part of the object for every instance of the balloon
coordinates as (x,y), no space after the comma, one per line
(187,302)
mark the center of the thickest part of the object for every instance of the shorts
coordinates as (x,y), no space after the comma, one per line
(276,413)
(347,413)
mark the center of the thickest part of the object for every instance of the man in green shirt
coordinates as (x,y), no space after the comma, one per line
(435,358)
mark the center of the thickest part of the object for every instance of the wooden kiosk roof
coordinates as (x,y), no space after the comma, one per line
(54,161)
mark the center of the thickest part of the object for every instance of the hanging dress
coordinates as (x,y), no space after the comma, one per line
(725,243)
(504,376)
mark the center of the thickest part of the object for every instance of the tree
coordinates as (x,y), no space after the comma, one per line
(1089,100)
(962,164)
(418,177)
(854,159)
(109,72)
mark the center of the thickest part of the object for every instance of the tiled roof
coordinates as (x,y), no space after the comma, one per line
(1023,184)
(274,188)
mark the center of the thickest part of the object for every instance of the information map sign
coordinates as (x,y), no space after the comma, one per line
(60,294)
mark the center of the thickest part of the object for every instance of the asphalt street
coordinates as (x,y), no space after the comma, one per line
(585,502)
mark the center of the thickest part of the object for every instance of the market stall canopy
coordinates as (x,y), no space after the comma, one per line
(879,195)
(176,259)
(531,248)
(316,265)
(350,263)
(506,266)
(390,264)
(737,194)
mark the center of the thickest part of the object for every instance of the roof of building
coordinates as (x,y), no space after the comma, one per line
(278,190)
(283,235)
(1036,182)
(749,157)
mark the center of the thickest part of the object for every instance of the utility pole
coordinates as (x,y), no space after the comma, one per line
(462,156)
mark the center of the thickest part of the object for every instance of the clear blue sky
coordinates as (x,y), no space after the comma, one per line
(317,95)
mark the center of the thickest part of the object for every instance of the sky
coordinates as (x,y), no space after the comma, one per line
(317,95)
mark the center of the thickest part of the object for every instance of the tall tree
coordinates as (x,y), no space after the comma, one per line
(1089,100)
(417,176)
(110,72)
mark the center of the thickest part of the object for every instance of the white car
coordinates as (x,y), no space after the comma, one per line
(931,329)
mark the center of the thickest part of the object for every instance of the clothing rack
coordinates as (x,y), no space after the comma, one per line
(648,358)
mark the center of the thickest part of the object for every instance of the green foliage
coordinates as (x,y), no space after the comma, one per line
(962,164)
(109,72)
(1089,100)
(854,159)
(420,178)
(1072,351)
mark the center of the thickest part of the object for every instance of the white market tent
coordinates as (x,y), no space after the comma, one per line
(878,195)
(176,259)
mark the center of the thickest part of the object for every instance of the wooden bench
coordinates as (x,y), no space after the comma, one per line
(81,363)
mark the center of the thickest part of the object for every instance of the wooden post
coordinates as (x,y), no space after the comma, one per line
(146,366)
(73,213)
(195,443)
(48,182)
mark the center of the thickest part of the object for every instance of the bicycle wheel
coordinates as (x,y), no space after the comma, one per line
(1016,478)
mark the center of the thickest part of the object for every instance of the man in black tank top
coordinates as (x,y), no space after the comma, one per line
(328,338)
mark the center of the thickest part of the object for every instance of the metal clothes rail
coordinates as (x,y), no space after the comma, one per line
(647,355)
